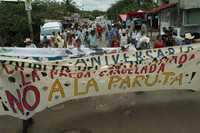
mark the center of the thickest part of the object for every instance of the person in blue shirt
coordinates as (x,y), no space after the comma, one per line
(93,39)
(109,36)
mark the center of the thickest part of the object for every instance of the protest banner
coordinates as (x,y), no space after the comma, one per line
(54,52)
(90,62)
(28,87)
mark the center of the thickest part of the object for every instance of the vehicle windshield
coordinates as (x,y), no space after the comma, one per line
(48,32)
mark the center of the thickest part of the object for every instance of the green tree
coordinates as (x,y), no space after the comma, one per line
(70,6)
(14,23)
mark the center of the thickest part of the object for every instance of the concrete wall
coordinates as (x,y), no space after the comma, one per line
(192,16)
(187,4)
(189,18)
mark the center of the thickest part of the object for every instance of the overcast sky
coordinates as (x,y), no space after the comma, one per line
(95,4)
(90,5)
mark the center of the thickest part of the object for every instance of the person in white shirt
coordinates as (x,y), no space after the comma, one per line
(29,43)
(138,35)
(124,38)
(143,43)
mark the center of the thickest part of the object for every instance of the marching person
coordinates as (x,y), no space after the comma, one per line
(46,42)
(115,42)
(170,41)
(159,43)
(188,39)
(109,36)
(59,41)
(123,38)
(29,43)
(86,39)
(52,40)
(144,43)
(93,39)
(78,43)
(99,31)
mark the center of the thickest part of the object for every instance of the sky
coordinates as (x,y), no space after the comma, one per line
(102,5)
(90,5)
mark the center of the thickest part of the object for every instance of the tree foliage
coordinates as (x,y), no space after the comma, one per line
(14,23)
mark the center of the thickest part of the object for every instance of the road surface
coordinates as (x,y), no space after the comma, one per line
(151,112)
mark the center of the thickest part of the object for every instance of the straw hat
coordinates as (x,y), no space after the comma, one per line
(124,31)
(189,36)
(145,39)
(27,40)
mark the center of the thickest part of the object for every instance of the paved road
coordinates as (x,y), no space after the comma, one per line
(152,112)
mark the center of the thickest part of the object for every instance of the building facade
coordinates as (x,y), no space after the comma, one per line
(184,16)
(190,10)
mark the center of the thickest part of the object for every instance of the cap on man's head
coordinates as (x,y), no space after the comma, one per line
(27,40)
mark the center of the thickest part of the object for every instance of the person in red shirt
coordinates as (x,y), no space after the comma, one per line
(78,43)
(159,43)
(115,43)
(99,31)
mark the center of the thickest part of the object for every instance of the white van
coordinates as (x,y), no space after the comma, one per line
(48,28)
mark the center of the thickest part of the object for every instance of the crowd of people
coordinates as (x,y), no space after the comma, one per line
(169,39)
(112,35)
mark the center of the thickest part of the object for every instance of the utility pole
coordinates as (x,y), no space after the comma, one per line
(27,123)
(28,8)
(30,24)
(82,8)
(179,12)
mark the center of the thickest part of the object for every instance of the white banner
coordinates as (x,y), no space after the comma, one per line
(28,87)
